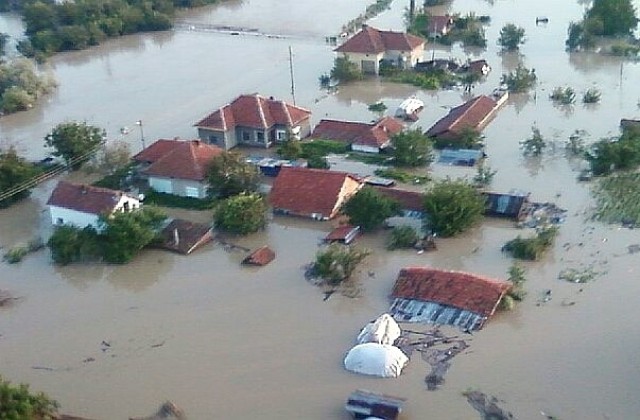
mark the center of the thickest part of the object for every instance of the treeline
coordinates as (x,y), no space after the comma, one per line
(21,85)
(76,25)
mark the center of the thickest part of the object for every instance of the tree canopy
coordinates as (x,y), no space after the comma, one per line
(75,142)
(17,402)
(612,17)
(229,174)
(344,70)
(511,37)
(411,148)
(520,80)
(21,85)
(337,262)
(369,209)
(242,214)
(14,170)
(452,206)
(615,154)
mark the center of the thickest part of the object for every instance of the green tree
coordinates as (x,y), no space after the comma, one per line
(534,145)
(229,174)
(125,234)
(484,175)
(369,209)
(402,237)
(290,149)
(17,402)
(511,37)
(75,142)
(452,206)
(344,70)
(520,80)
(411,148)
(611,154)
(242,214)
(615,17)
(467,138)
(14,171)
(532,248)
(337,262)
(70,244)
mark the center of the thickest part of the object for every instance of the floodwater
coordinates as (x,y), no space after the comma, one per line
(226,342)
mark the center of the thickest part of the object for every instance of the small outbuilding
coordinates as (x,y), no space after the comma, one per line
(260,257)
(343,234)
(363,404)
(376,359)
(184,237)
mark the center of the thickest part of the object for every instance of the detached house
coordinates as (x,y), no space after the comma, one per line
(474,114)
(177,167)
(254,120)
(315,193)
(363,137)
(81,205)
(371,46)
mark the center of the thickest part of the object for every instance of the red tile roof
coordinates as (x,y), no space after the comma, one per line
(155,151)
(454,288)
(84,198)
(473,113)
(409,200)
(185,160)
(254,111)
(342,233)
(304,191)
(261,256)
(190,236)
(377,134)
(373,41)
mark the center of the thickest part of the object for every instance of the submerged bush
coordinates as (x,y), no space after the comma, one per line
(532,248)
(337,262)
(402,237)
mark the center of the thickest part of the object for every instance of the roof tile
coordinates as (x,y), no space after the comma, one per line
(373,41)
(182,159)
(84,198)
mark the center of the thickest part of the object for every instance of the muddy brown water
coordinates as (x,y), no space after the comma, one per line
(226,342)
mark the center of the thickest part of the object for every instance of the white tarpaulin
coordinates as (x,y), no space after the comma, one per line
(384,330)
(376,359)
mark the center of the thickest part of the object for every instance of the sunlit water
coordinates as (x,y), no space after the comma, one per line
(226,342)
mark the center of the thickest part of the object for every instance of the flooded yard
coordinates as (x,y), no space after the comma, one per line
(231,342)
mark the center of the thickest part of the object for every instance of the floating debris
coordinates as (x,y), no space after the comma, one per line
(575,275)
(487,406)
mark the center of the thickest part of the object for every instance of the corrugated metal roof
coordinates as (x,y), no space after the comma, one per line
(412,310)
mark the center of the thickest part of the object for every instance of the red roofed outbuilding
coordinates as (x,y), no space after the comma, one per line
(370,46)
(254,120)
(363,137)
(177,167)
(315,193)
(474,114)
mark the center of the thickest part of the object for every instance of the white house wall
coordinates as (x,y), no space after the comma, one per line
(178,186)
(64,216)
(365,149)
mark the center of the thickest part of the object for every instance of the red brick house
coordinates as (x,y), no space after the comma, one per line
(369,47)
(363,137)
(315,193)
(254,120)
(177,167)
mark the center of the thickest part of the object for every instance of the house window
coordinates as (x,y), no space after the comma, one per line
(192,192)
(59,221)
(213,139)
(260,136)
(246,136)
(126,206)
(281,135)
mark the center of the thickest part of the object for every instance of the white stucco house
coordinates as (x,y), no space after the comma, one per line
(81,205)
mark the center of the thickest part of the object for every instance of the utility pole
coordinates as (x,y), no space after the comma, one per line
(293,86)
(139,124)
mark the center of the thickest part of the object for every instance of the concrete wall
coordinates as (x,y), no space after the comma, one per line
(358,58)
(62,216)
(179,187)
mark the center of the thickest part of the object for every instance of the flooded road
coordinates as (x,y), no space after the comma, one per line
(226,342)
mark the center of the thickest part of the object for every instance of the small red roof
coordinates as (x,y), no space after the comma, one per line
(377,134)
(454,288)
(343,233)
(472,113)
(254,111)
(409,200)
(183,160)
(184,236)
(84,198)
(304,191)
(373,41)
(261,256)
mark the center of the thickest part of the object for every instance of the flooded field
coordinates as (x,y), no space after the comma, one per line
(226,342)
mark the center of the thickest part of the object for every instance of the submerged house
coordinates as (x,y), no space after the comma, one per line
(474,114)
(254,120)
(315,193)
(177,167)
(369,47)
(82,205)
(411,202)
(425,294)
(184,237)
(362,137)
(512,205)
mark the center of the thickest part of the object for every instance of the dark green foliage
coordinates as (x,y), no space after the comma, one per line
(426,80)
(116,180)
(17,403)
(532,248)
(402,176)
(617,198)
(290,149)
(608,155)
(484,175)
(345,71)
(21,85)
(379,107)
(337,262)
(452,206)
(15,254)
(468,138)
(14,171)
(591,96)
(411,148)
(176,201)
(511,37)
(242,214)
(71,244)
(564,96)
(323,148)
(613,17)
(534,145)
(229,174)
(624,49)
(369,209)
(517,278)
(74,142)
(402,237)
(317,162)
(123,235)
(520,80)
